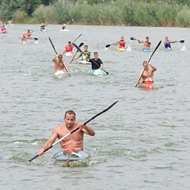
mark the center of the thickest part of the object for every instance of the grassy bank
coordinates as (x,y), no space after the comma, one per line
(133,13)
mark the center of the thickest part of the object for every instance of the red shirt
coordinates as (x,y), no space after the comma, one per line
(69,48)
(121,45)
(28,34)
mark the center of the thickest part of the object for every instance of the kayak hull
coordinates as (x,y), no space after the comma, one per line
(146,50)
(149,85)
(75,155)
(59,74)
(121,49)
(97,72)
(68,54)
(168,49)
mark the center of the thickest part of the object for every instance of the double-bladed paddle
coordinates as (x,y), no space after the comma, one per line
(149,60)
(57,54)
(90,59)
(74,130)
(81,44)
(181,41)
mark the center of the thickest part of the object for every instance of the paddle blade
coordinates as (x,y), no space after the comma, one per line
(182,41)
(78,48)
(108,45)
(132,38)
(81,44)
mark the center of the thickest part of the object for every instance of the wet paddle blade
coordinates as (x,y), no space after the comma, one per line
(132,38)
(182,41)
(108,45)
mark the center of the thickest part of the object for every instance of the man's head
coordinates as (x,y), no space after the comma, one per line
(85,47)
(147,38)
(96,55)
(145,63)
(69,42)
(69,118)
(28,30)
(166,38)
(122,37)
(60,56)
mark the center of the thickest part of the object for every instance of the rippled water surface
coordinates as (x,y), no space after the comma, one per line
(141,143)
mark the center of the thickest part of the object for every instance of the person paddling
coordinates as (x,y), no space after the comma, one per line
(146,43)
(23,37)
(28,34)
(168,42)
(84,56)
(121,43)
(73,141)
(146,74)
(3,29)
(43,26)
(64,25)
(68,49)
(96,62)
(58,65)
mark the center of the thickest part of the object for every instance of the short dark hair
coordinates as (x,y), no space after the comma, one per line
(70,112)
(69,42)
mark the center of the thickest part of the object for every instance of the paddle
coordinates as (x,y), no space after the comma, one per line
(74,130)
(90,59)
(58,56)
(81,44)
(149,60)
(181,41)
(132,38)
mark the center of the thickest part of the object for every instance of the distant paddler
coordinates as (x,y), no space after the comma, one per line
(3,29)
(146,43)
(43,26)
(59,66)
(28,34)
(146,75)
(84,56)
(168,42)
(121,43)
(23,38)
(68,49)
(64,25)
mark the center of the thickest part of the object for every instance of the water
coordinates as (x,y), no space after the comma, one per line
(141,143)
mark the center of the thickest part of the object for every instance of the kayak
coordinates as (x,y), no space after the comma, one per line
(168,49)
(29,42)
(59,74)
(68,54)
(146,50)
(97,72)
(84,62)
(65,30)
(147,85)
(71,156)
(121,49)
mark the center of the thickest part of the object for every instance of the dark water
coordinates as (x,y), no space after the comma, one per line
(141,143)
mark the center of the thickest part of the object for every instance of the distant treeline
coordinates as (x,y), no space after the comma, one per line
(98,12)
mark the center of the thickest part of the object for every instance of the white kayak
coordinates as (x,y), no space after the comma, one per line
(29,42)
(71,156)
(65,30)
(59,74)
(84,62)
(97,72)
(68,54)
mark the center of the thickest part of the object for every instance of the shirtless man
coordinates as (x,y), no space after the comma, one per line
(23,37)
(84,56)
(68,48)
(147,44)
(168,42)
(73,141)
(148,74)
(58,64)
(121,43)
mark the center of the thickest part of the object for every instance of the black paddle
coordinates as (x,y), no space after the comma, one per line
(149,60)
(90,59)
(181,41)
(58,56)
(74,130)
(132,38)
(81,44)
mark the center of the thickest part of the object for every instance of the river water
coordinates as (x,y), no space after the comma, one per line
(141,143)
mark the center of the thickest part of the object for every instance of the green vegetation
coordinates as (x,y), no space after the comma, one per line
(99,12)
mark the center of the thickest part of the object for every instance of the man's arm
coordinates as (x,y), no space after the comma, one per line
(152,66)
(87,130)
(49,142)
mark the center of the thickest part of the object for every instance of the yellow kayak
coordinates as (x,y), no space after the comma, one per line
(121,49)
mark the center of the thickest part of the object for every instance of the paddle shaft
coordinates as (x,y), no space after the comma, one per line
(81,44)
(74,130)
(58,56)
(149,60)
(90,59)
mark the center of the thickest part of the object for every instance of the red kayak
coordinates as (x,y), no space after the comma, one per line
(148,85)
